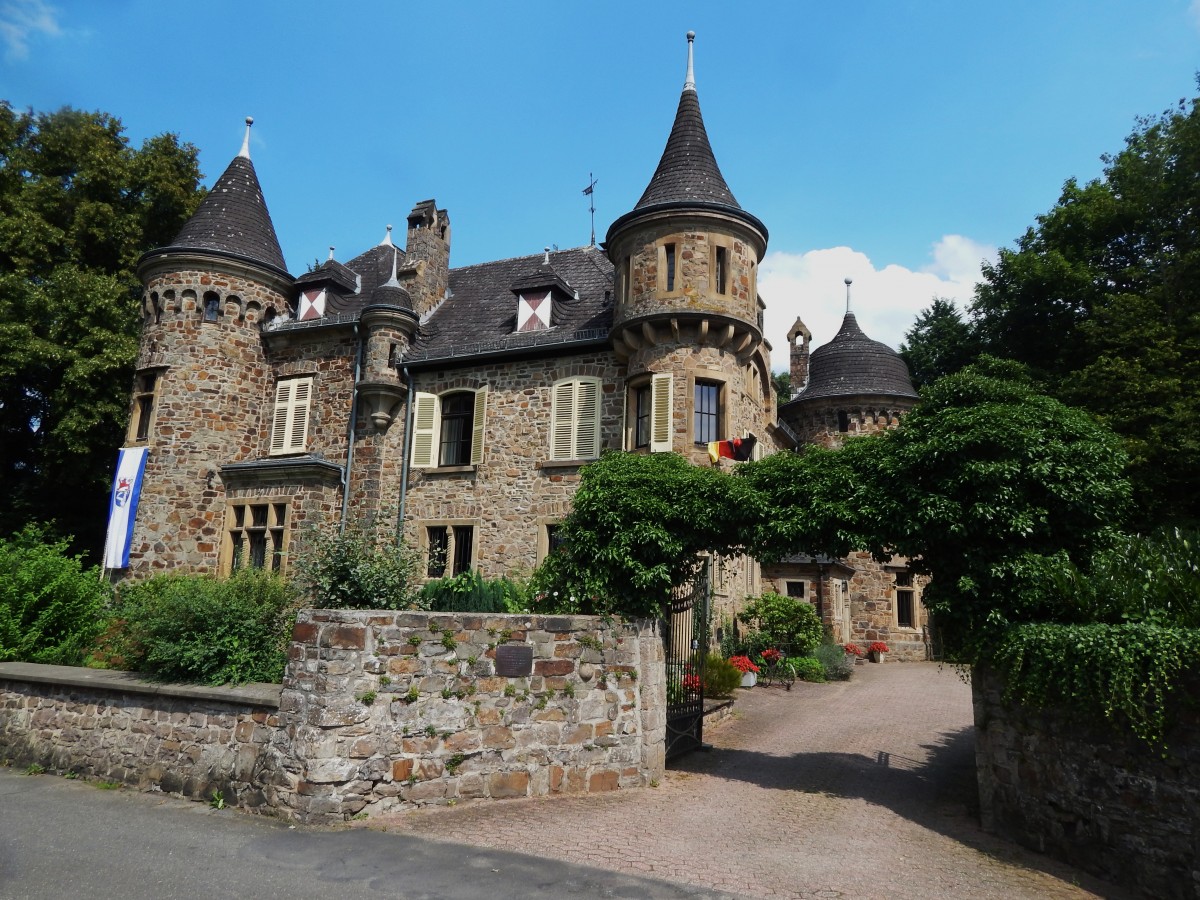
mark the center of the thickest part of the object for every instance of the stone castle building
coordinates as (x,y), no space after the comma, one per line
(463,401)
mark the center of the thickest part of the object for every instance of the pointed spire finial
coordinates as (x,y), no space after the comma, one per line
(246,141)
(387,238)
(392,280)
(689,83)
(849,281)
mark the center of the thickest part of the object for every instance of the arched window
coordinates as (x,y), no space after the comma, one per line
(212,307)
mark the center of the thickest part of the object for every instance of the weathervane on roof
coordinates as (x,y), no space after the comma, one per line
(590,193)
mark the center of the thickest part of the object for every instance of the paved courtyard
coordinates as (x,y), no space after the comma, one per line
(861,789)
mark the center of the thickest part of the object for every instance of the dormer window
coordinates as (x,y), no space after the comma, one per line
(312,304)
(533,310)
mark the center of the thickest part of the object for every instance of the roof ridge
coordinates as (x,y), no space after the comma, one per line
(492,262)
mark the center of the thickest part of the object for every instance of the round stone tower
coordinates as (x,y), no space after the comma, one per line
(854,386)
(687,319)
(202,379)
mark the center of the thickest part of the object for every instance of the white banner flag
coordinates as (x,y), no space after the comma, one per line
(127,487)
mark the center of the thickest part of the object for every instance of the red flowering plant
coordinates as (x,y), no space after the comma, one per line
(691,683)
(743,664)
(878,647)
(854,650)
(771,656)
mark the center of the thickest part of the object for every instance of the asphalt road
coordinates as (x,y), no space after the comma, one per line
(62,838)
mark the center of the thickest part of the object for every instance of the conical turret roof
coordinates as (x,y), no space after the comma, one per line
(233,220)
(687,176)
(853,364)
(688,171)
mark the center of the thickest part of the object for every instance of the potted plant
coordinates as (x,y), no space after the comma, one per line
(877,651)
(748,669)
(855,651)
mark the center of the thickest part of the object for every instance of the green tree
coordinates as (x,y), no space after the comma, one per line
(939,343)
(637,527)
(1101,299)
(993,488)
(78,207)
(782,382)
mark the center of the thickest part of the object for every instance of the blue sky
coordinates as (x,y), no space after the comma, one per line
(897,143)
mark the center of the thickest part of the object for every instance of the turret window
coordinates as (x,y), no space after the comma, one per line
(212,307)
(145,393)
(706,426)
(720,273)
(670,266)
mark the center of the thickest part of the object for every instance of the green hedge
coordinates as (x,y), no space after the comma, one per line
(52,609)
(195,628)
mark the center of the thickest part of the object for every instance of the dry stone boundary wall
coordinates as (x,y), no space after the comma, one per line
(379,711)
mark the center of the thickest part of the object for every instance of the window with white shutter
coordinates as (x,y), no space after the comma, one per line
(575,419)
(289,426)
(448,429)
(661,403)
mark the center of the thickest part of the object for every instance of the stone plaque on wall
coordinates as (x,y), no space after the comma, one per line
(514,660)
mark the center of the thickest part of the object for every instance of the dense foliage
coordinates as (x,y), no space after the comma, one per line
(196,628)
(51,608)
(637,527)
(361,567)
(78,206)
(1101,299)
(721,677)
(785,622)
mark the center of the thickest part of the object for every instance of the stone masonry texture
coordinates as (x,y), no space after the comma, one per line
(1093,795)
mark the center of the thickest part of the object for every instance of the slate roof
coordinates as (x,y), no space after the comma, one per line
(233,220)
(688,171)
(480,315)
(853,364)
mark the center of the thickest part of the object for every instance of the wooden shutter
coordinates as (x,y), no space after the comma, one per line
(479,420)
(575,419)
(562,420)
(661,404)
(289,425)
(587,419)
(425,429)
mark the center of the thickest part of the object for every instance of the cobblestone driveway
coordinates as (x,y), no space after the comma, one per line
(858,789)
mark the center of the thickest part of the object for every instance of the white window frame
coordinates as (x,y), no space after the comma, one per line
(427,427)
(575,418)
(289,423)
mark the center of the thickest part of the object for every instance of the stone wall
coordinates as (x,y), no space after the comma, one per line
(185,739)
(1093,796)
(379,711)
(389,711)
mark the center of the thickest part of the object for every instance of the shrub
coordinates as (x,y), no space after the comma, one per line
(786,621)
(720,676)
(51,608)
(362,567)
(471,592)
(837,664)
(807,668)
(196,628)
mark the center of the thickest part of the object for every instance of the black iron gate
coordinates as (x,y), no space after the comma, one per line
(685,643)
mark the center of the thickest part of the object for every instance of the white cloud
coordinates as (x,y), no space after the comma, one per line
(885,301)
(22,19)
(1194,12)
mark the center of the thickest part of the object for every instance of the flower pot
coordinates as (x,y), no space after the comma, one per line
(876,656)
(749,679)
